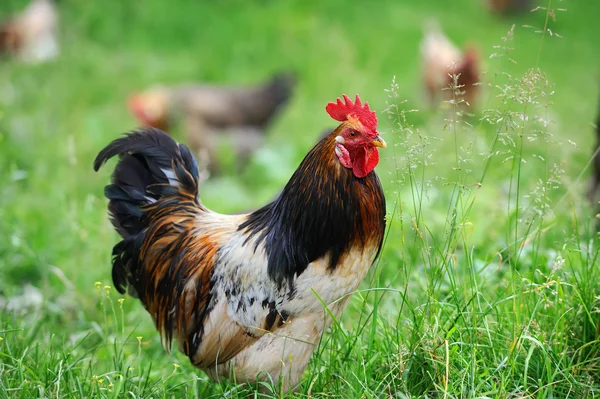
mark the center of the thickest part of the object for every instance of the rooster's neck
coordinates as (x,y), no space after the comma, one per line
(324,209)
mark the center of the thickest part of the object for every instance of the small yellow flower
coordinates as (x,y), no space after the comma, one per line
(139,339)
(107,288)
(1,339)
(98,284)
(176,366)
(121,300)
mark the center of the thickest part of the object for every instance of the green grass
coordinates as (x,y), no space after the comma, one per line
(488,286)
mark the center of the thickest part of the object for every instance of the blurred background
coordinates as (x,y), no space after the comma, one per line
(69,90)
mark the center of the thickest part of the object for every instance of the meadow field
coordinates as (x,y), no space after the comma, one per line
(488,285)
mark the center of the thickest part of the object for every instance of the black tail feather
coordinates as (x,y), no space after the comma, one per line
(152,169)
(125,255)
(149,158)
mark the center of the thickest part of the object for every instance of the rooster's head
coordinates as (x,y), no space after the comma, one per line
(356,139)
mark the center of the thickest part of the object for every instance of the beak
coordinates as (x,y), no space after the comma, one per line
(379,142)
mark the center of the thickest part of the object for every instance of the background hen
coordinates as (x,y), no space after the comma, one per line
(209,113)
(246,293)
(592,191)
(441,61)
(509,6)
(32,34)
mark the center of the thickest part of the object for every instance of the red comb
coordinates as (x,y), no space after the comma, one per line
(341,111)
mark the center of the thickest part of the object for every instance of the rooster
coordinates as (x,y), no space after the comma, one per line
(247,294)
(243,113)
(32,34)
(442,61)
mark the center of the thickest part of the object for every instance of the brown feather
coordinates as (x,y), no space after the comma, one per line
(172,235)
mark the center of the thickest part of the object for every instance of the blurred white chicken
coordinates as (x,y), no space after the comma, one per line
(441,59)
(32,35)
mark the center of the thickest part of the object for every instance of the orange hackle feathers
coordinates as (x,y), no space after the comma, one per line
(341,111)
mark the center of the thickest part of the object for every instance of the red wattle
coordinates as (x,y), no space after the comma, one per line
(365,161)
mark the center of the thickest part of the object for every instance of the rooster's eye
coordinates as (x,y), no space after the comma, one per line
(352,133)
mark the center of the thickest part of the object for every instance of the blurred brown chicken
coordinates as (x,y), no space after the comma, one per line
(32,34)
(509,6)
(442,60)
(595,179)
(208,112)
